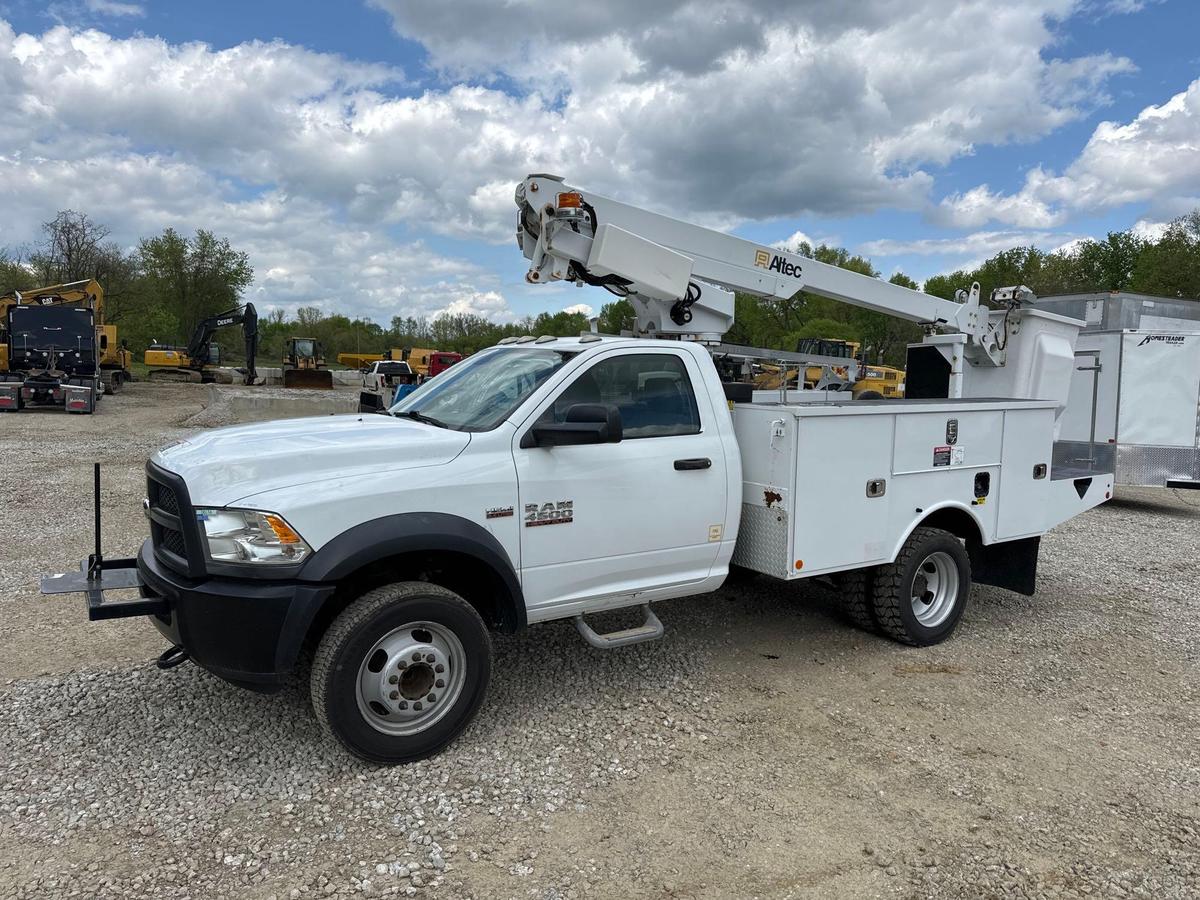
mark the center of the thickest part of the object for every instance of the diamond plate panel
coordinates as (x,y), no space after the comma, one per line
(1082,455)
(762,543)
(1156,465)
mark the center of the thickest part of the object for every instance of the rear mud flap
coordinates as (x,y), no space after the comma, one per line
(1011,565)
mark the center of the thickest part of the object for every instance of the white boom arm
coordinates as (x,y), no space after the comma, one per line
(574,235)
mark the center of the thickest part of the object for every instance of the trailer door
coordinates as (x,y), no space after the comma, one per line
(1160,389)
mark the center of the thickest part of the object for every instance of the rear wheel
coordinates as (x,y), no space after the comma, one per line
(401,672)
(920,597)
(857,589)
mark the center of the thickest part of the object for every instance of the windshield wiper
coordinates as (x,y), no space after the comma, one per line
(418,416)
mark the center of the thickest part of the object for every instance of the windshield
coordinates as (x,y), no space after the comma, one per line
(306,348)
(478,393)
(820,347)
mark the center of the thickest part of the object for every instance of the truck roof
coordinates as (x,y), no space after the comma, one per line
(590,340)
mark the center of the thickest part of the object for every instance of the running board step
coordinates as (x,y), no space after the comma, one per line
(650,630)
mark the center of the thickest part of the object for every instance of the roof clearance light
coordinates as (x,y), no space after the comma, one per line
(570,200)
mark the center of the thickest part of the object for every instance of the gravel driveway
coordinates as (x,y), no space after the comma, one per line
(762,748)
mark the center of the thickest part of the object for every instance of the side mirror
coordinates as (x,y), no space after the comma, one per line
(586,423)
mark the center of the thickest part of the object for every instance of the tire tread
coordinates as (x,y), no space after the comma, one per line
(856,588)
(889,587)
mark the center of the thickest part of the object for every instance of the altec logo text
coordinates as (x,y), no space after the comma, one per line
(1173,339)
(776,263)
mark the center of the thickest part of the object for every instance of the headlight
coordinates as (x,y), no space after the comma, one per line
(251,536)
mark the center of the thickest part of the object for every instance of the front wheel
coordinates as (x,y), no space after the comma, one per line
(920,597)
(401,672)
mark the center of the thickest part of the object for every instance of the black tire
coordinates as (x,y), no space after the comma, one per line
(342,653)
(869,395)
(857,601)
(896,583)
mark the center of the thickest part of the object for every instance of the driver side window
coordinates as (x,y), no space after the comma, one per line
(651,390)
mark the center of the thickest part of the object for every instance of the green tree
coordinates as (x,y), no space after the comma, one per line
(1170,267)
(195,277)
(15,274)
(1106,265)
(615,317)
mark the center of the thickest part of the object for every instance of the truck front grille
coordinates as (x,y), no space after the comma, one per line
(167,501)
(172,541)
(173,529)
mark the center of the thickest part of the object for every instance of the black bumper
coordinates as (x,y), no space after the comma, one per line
(247,631)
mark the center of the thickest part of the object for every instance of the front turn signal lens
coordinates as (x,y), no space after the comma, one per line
(283,531)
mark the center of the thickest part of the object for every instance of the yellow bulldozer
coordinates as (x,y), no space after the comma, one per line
(304,364)
(115,358)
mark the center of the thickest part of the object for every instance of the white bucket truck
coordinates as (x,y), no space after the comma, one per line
(550,478)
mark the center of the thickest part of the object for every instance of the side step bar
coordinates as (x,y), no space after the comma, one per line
(650,630)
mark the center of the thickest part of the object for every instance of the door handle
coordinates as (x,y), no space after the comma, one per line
(684,465)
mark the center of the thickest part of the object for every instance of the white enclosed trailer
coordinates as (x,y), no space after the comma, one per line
(1134,404)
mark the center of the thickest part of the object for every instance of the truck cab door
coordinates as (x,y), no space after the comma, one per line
(602,523)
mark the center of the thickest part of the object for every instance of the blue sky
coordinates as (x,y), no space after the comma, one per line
(364,153)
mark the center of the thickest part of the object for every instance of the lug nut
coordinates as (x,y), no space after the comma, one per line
(431,697)
(394,695)
(403,664)
(404,704)
(441,682)
(439,668)
(429,657)
(392,679)
(417,656)
(417,706)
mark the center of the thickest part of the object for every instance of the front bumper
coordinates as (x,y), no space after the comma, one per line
(247,631)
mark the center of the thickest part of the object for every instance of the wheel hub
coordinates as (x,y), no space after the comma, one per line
(410,677)
(934,589)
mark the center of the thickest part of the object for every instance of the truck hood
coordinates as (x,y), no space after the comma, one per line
(227,464)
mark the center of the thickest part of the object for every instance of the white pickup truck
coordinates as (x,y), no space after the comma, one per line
(549,478)
(383,383)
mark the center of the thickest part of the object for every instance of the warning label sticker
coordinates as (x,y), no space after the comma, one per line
(941,456)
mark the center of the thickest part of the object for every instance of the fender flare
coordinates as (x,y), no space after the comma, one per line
(369,542)
(929,513)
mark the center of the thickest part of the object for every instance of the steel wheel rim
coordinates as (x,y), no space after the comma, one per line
(934,589)
(403,670)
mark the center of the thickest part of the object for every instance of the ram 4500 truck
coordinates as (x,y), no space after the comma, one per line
(550,478)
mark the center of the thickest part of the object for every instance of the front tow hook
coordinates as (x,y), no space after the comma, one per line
(172,657)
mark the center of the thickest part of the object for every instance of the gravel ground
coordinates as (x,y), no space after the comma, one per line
(762,748)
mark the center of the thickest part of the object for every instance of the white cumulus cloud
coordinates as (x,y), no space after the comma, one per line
(1154,159)
(337,174)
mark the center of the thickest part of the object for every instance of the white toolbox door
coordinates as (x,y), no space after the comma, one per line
(836,525)
(1160,389)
